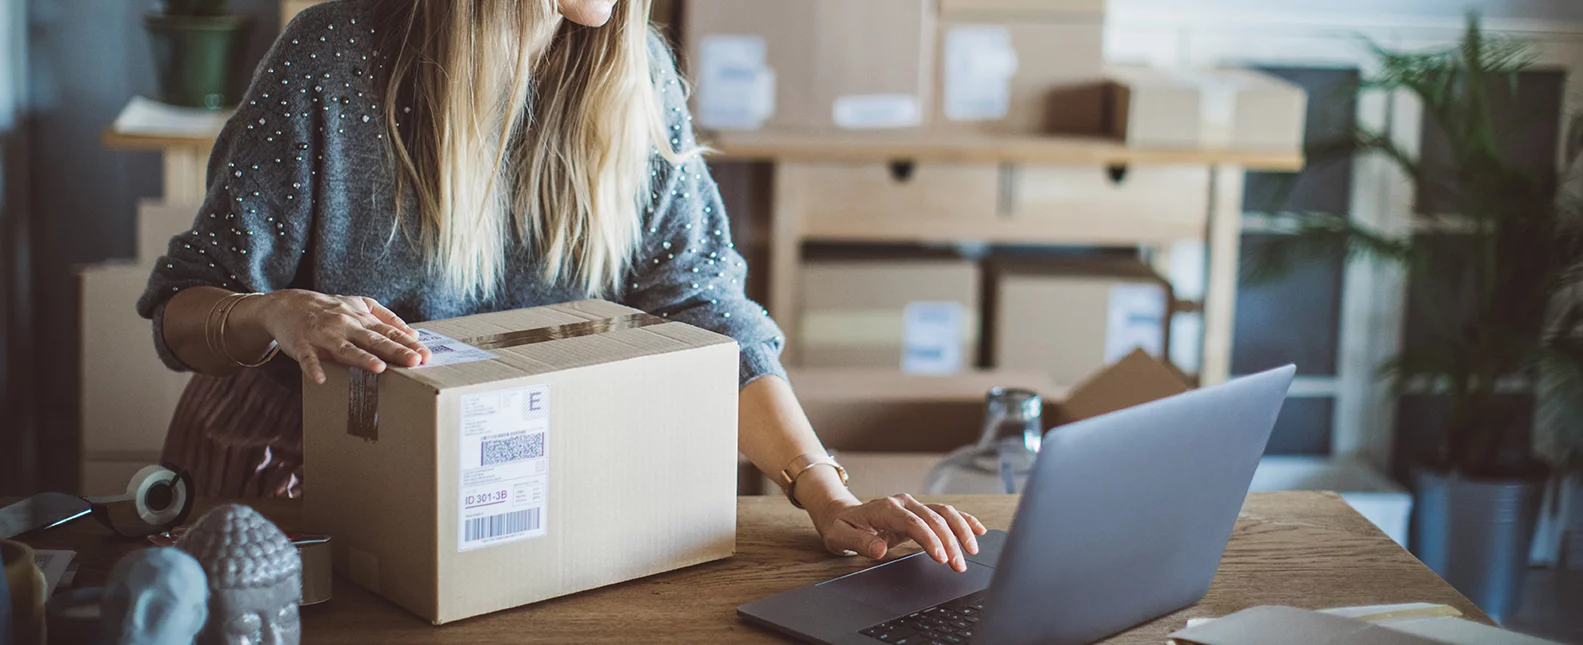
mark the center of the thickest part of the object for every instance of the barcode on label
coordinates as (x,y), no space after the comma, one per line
(505,451)
(494,526)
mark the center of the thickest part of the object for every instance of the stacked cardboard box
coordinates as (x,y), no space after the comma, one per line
(127,394)
(1010,66)
(810,65)
(1070,319)
(1197,108)
(290,8)
(890,429)
(919,316)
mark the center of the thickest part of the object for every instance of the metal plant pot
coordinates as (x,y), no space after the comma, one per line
(198,60)
(1476,533)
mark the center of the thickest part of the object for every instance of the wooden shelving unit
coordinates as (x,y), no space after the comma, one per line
(1212,195)
(797,217)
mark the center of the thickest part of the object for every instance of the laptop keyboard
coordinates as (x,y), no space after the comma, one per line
(950,623)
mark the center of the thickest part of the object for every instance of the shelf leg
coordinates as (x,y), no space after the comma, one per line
(785,250)
(1220,293)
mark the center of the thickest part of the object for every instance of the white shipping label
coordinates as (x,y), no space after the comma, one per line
(736,89)
(932,339)
(449,351)
(1136,320)
(505,467)
(877,111)
(979,65)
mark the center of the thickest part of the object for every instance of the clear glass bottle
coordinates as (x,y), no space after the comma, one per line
(1003,457)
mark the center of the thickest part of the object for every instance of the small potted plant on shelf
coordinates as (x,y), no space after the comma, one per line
(198,49)
(1503,312)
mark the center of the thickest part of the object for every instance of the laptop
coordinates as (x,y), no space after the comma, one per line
(1123,520)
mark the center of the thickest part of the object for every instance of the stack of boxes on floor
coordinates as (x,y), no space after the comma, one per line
(128,395)
(892,355)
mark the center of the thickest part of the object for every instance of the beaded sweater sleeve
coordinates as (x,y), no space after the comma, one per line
(253,228)
(689,269)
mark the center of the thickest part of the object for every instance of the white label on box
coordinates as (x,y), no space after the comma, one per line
(736,90)
(932,339)
(449,351)
(504,467)
(1136,321)
(877,111)
(979,65)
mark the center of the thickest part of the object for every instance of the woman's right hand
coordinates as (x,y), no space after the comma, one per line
(354,331)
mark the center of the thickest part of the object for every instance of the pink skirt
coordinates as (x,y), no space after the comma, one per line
(240,437)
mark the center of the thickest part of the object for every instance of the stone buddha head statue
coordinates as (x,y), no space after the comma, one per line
(255,578)
(154,596)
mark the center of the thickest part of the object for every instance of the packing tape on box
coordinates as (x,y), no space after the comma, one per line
(362,405)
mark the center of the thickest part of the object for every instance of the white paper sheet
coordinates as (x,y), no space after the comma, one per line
(144,116)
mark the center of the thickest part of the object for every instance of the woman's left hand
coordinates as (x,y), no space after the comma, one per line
(872,529)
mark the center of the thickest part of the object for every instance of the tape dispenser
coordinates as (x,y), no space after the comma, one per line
(157,499)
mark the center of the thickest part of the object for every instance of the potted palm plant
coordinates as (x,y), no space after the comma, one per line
(1501,307)
(198,50)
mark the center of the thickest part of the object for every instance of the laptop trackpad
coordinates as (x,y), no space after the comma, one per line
(910,584)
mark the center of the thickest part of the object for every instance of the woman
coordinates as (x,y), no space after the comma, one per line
(408,160)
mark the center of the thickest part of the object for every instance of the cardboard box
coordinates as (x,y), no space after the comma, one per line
(158,222)
(1021,73)
(883,410)
(846,201)
(1079,7)
(128,395)
(460,489)
(1165,203)
(873,475)
(919,316)
(880,411)
(110,476)
(1070,319)
(290,8)
(1198,108)
(810,65)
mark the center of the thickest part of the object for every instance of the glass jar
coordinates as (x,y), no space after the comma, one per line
(1003,457)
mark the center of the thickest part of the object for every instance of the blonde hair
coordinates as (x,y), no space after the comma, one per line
(516,125)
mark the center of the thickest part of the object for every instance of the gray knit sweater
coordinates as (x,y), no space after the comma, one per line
(301,196)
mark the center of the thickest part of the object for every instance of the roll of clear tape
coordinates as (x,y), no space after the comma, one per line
(158,498)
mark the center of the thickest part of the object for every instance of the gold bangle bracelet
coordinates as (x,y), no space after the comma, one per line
(211,325)
(225,351)
(787,477)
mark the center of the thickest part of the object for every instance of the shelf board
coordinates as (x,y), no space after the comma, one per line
(114,140)
(860,148)
(870,147)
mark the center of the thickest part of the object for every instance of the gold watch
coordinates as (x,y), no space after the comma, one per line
(787,477)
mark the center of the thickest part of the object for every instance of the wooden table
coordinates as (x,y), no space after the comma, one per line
(1302,549)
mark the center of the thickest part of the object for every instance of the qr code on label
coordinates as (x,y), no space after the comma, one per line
(518,448)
